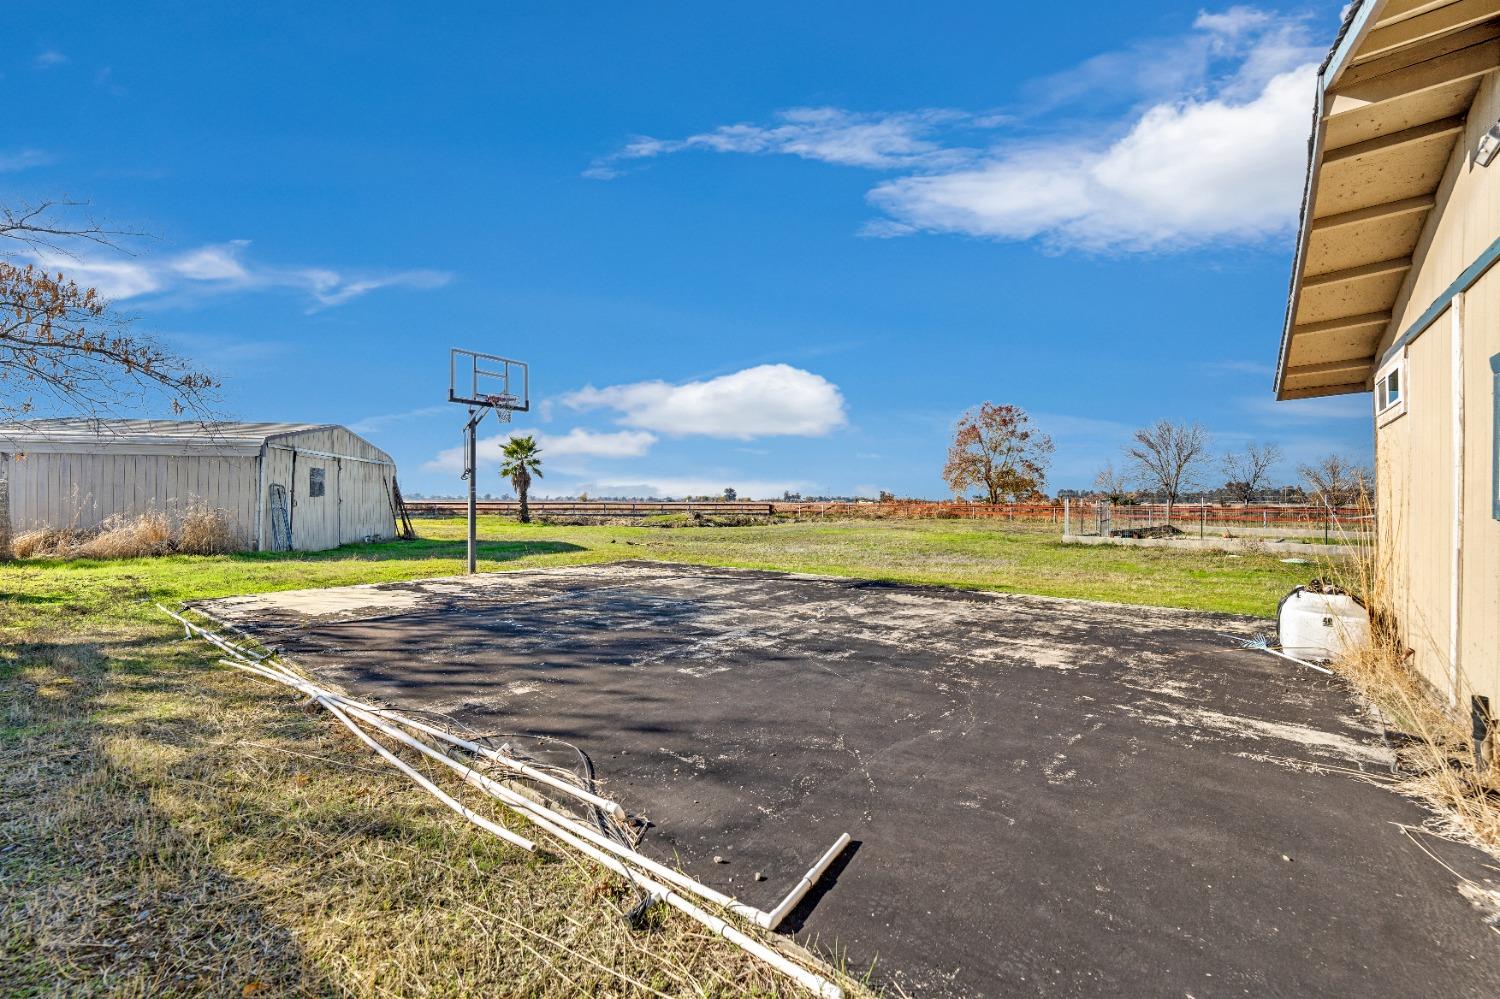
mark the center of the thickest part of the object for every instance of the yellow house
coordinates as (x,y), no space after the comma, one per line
(1394,292)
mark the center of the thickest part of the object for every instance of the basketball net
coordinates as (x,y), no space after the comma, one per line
(501,405)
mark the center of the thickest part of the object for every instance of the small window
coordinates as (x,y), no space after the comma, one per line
(1390,391)
(315,482)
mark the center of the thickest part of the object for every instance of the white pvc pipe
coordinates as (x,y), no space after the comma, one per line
(776,915)
(613,808)
(544,816)
(610,807)
(1300,662)
(563,827)
(565,830)
(210,637)
(429,786)
(768,920)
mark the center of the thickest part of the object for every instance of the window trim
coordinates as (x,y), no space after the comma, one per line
(1397,409)
(1495,437)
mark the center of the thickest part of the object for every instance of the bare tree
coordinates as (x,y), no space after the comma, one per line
(1247,472)
(1111,483)
(44,226)
(1169,457)
(60,344)
(61,348)
(1337,481)
(997,450)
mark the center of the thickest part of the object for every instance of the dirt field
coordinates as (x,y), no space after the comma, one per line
(1047,796)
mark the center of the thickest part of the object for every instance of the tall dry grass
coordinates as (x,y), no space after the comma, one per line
(1436,758)
(199,530)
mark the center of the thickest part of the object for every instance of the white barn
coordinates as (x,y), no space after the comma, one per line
(285,486)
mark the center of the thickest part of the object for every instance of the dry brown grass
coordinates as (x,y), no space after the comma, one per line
(199,530)
(1435,751)
(205,530)
(43,542)
(173,828)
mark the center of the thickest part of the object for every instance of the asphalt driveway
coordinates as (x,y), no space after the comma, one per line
(1047,797)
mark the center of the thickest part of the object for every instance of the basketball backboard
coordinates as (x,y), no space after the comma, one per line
(477,379)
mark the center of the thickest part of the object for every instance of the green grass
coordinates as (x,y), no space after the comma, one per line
(947,553)
(168,827)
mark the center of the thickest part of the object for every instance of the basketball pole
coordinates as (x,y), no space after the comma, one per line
(471,472)
(480,403)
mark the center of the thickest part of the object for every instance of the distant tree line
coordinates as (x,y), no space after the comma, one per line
(999,455)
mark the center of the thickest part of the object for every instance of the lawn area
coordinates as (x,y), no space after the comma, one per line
(950,553)
(168,827)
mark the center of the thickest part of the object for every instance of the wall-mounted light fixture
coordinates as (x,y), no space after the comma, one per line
(1489,145)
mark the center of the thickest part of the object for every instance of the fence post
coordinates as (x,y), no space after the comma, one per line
(1067,517)
(1202,516)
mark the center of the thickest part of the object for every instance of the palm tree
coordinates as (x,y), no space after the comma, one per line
(522,459)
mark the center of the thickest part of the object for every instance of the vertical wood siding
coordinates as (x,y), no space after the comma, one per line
(83,490)
(1414,451)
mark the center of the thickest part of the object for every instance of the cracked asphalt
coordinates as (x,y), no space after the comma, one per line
(1047,797)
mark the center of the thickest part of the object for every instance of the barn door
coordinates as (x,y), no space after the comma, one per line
(315,494)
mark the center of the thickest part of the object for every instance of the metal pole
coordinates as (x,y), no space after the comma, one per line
(471,433)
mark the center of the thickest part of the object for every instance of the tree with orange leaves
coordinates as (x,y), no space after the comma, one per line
(998,451)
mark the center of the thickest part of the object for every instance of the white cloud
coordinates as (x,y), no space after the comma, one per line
(767,400)
(881,140)
(222,268)
(1214,153)
(212,263)
(1186,173)
(48,58)
(24,159)
(576,443)
(382,421)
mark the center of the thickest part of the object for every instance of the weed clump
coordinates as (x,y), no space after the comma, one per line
(200,530)
(1438,762)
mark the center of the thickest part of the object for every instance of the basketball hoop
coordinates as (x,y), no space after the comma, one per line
(488,381)
(485,383)
(503,405)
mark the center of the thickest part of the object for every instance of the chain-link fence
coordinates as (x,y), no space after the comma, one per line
(1301,522)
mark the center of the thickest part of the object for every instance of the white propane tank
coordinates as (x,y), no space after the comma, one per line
(1319,626)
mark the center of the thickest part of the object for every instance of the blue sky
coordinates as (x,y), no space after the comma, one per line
(772,246)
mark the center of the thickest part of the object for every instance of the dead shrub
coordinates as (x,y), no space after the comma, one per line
(201,530)
(46,542)
(207,530)
(1437,760)
(128,537)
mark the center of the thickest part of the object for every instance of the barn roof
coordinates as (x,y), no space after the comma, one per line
(1389,109)
(216,436)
